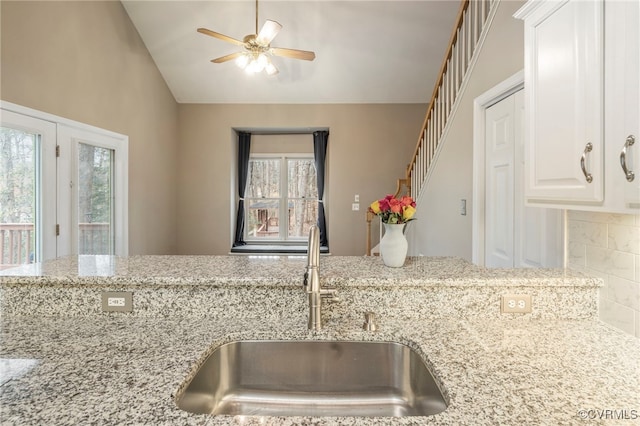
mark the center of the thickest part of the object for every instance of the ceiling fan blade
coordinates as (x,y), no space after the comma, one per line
(226,58)
(269,30)
(293,53)
(220,36)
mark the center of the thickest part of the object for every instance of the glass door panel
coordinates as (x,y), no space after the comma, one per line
(96,232)
(19,185)
(27,190)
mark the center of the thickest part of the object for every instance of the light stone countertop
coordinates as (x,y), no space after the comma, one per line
(126,370)
(119,369)
(280,271)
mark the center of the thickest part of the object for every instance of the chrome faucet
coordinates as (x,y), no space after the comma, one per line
(312,281)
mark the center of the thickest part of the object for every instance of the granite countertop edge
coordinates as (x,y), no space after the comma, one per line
(279,271)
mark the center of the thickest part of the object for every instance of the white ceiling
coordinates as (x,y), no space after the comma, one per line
(366,51)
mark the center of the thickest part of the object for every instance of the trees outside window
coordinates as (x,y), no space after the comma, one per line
(282,198)
(18,179)
(63,188)
(95,196)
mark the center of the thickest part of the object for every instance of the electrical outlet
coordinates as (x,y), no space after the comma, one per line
(117,301)
(516,303)
(355,207)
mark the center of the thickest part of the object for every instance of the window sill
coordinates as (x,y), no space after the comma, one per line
(274,249)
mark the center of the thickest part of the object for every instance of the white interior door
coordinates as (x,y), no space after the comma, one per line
(515,235)
(499,204)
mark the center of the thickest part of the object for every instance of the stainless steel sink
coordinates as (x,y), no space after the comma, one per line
(313,378)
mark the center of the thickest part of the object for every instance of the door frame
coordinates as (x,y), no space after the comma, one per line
(480,104)
(45,188)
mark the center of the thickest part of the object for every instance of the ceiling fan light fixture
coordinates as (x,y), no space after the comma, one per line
(257,49)
(271,69)
(269,30)
(263,60)
(254,67)
(242,61)
(255,62)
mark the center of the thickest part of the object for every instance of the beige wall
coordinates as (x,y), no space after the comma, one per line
(369,147)
(282,144)
(440,229)
(85,61)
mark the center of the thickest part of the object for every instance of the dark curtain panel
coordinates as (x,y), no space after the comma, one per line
(320,139)
(244,146)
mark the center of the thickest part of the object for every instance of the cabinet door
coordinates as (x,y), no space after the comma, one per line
(564,97)
(623,97)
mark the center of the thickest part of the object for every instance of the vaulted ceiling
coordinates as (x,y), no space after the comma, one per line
(366,51)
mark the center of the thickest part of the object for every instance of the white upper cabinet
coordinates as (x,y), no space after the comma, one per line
(622,97)
(581,96)
(564,67)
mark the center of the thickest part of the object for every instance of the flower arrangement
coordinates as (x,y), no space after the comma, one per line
(394,210)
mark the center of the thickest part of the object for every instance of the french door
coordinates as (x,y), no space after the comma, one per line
(27,189)
(63,190)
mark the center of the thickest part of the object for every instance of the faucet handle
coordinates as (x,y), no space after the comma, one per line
(370,322)
(330,294)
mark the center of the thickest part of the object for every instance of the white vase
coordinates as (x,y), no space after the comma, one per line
(393,245)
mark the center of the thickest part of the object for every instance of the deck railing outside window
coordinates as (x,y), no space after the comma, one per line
(17,242)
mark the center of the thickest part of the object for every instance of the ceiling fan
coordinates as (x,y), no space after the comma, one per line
(257,48)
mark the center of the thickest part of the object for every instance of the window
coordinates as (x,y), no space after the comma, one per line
(281,198)
(63,188)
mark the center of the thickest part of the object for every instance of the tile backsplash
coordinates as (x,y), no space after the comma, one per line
(607,245)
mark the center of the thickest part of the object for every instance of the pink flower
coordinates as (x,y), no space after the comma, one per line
(395,205)
(407,201)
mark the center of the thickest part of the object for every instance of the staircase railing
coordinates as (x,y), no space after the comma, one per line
(467,31)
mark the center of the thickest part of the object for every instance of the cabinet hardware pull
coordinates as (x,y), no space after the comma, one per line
(587,175)
(623,158)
